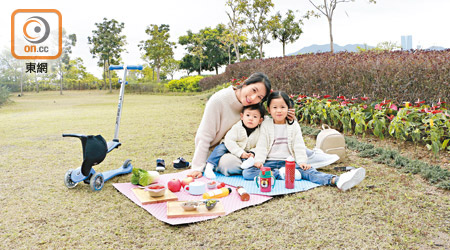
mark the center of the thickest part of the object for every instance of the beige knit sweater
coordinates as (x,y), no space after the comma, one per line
(222,111)
(237,141)
(296,144)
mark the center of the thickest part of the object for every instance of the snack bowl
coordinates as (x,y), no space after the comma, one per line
(189,205)
(156,190)
(212,184)
(210,203)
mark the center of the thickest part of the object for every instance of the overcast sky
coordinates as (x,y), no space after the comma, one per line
(358,22)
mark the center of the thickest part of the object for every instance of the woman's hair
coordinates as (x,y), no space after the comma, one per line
(280,94)
(259,77)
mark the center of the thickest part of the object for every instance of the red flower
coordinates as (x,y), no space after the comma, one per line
(393,107)
(390,117)
(364,98)
(436,111)
(353,99)
(419,102)
(326,96)
(378,106)
(341,97)
(365,106)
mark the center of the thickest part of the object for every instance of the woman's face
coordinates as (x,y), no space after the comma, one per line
(252,93)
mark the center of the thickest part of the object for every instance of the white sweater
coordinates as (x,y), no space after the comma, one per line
(237,141)
(222,111)
(296,144)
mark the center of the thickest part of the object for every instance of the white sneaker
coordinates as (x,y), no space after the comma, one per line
(282,172)
(209,172)
(248,163)
(351,179)
(320,159)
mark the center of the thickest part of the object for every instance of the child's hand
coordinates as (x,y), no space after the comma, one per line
(246,155)
(305,166)
(195,174)
(258,164)
(291,114)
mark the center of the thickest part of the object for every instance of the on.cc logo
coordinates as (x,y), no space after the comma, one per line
(36,29)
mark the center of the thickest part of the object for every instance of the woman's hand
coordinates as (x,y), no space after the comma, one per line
(258,164)
(291,114)
(195,174)
(305,166)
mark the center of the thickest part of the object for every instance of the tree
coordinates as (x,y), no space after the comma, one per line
(64,59)
(287,30)
(327,9)
(158,48)
(208,49)
(236,25)
(107,45)
(170,67)
(258,22)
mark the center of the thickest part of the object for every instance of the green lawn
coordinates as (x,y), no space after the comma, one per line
(39,212)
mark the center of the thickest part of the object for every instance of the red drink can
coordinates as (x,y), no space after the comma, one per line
(289,179)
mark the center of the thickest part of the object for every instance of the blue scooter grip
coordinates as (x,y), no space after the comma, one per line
(130,67)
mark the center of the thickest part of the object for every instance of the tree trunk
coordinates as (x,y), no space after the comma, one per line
(153,74)
(284,45)
(229,54)
(61,84)
(109,76)
(157,73)
(260,51)
(36,82)
(21,83)
(217,70)
(331,35)
(200,68)
(104,72)
(236,49)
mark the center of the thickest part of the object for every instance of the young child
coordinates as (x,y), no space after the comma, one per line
(240,140)
(278,140)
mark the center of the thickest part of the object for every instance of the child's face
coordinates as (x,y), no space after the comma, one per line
(251,118)
(278,109)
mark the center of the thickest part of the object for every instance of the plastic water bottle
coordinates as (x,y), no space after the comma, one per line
(289,179)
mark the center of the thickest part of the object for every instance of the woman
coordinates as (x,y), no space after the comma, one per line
(222,111)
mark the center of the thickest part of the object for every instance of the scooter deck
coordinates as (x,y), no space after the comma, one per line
(115,172)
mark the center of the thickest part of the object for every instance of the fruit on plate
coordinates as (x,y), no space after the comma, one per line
(174,185)
(221,185)
(156,190)
(186,181)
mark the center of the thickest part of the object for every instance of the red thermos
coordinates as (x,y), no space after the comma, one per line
(289,179)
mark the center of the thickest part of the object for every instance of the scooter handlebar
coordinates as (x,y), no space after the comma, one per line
(129,67)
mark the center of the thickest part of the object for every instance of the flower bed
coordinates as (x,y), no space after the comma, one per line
(415,122)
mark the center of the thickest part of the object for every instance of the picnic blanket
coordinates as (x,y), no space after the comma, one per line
(231,202)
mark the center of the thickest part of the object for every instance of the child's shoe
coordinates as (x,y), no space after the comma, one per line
(282,172)
(351,179)
(209,171)
(160,165)
(318,158)
(248,163)
(180,163)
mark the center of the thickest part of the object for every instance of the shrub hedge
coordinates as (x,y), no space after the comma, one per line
(399,75)
(4,94)
(187,84)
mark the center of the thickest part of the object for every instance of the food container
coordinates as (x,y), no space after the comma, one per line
(156,190)
(212,184)
(189,205)
(210,203)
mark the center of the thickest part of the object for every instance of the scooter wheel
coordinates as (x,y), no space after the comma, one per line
(97,181)
(68,180)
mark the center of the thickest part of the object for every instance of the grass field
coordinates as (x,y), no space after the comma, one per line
(388,210)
